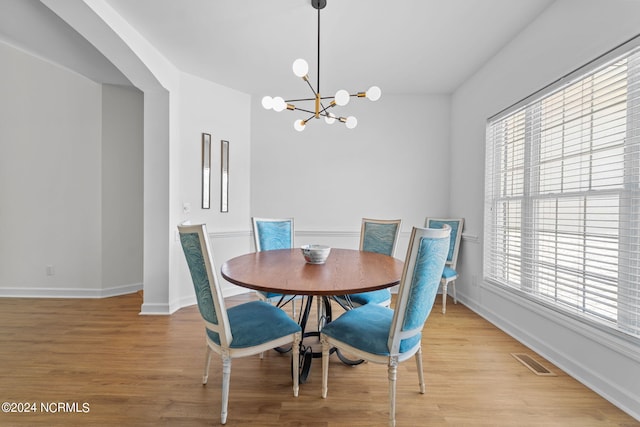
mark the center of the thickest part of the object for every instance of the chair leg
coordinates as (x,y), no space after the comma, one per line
(295,354)
(444,296)
(420,371)
(226,375)
(207,362)
(393,370)
(325,368)
(453,286)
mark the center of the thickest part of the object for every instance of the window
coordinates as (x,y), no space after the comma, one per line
(562,196)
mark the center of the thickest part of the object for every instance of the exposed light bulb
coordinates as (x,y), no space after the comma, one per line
(267,102)
(300,67)
(374,93)
(279,104)
(351,122)
(299,125)
(330,119)
(342,97)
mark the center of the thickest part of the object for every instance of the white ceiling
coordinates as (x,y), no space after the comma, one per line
(403,46)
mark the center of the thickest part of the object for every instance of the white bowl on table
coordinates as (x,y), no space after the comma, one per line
(315,254)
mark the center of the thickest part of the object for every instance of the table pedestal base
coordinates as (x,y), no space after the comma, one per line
(307,352)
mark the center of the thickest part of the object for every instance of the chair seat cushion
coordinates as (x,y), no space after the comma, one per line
(269,295)
(256,323)
(373,297)
(367,328)
(449,273)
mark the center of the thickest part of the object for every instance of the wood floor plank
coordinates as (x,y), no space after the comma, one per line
(146,371)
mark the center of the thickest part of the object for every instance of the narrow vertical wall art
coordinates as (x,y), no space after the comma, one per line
(224,176)
(206,171)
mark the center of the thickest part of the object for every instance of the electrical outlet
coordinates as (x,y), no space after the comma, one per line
(50,270)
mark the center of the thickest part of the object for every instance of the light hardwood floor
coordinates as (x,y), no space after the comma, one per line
(136,370)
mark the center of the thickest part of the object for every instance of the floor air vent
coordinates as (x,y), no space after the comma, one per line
(532,364)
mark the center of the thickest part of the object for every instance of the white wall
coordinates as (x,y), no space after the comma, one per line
(567,35)
(206,107)
(51,182)
(121,165)
(394,164)
(177,109)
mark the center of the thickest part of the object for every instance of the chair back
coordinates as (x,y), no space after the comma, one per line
(423,267)
(272,233)
(197,251)
(379,235)
(456,225)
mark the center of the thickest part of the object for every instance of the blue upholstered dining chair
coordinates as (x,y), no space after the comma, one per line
(449,274)
(380,236)
(244,330)
(381,335)
(270,234)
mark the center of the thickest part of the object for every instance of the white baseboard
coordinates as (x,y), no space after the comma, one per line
(69,292)
(155,309)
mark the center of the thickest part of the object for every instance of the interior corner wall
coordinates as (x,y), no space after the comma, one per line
(122,189)
(394,164)
(50,172)
(564,37)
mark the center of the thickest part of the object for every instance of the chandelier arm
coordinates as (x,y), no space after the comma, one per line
(307,111)
(307,99)
(311,87)
(323,113)
(298,100)
(307,120)
(324,109)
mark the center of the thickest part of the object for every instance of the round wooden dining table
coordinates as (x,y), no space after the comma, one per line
(285,271)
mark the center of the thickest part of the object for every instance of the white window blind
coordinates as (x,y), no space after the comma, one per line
(562,196)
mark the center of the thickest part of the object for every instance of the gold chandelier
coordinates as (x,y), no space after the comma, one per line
(321,107)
